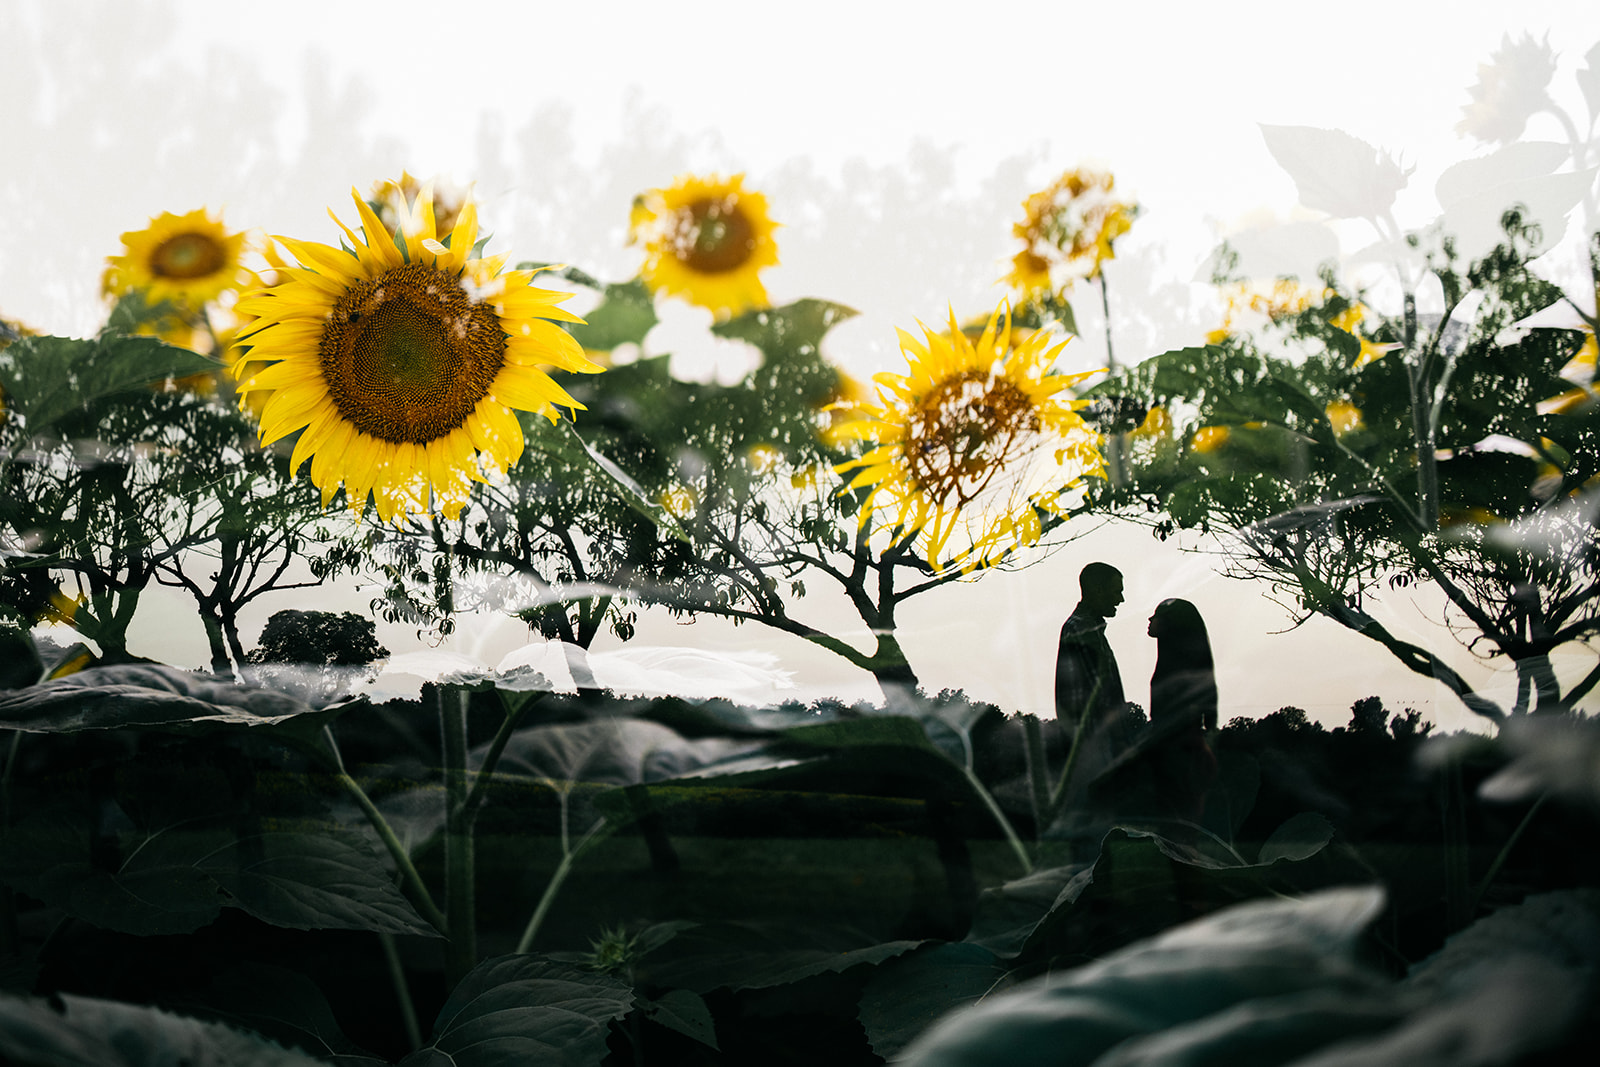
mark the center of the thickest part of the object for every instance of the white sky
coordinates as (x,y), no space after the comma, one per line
(895,141)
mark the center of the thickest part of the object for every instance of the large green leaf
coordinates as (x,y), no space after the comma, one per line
(615,751)
(685,1012)
(624,315)
(1268,948)
(1267,1030)
(180,862)
(46,377)
(511,1011)
(71,1031)
(1142,882)
(156,887)
(1299,837)
(1007,914)
(313,881)
(759,954)
(280,1004)
(795,328)
(152,696)
(906,993)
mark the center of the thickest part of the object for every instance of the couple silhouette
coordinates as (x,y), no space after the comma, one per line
(1172,751)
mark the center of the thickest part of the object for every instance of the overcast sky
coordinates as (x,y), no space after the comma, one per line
(894,141)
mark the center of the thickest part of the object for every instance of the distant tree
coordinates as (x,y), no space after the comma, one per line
(1447,450)
(1368,717)
(322,638)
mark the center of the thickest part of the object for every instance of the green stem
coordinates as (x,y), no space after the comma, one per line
(1058,798)
(1012,839)
(1454,853)
(402,991)
(1117,443)
(420,897)
(597,833)
(461,953)
(480,783)
(1038,773)
(10,936)
(1504,853)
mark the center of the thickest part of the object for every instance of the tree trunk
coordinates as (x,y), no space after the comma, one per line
(894,674)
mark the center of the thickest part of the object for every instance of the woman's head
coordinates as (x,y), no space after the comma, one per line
(1175,618)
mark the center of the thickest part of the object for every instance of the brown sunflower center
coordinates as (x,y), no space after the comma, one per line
(713,236)
(408,356)
(968,430)
(187,255)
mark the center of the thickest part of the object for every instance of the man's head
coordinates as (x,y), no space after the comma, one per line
(1101,585)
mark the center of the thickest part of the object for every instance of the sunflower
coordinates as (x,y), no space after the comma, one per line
(1067,231)
(1250,304)
(978,439)
(392,201)
(399,360)
(189,260)
(707,240)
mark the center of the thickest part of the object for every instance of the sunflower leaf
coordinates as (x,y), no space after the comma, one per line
(1335,172)
(149,696)
(71,1029)
(623,316)
(523,1009)
(47,377)
(313,881)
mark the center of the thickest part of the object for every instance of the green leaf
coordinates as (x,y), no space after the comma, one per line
(314,881)
(1266,1030)
(1007,914)
(71,1031)
(1335,172)
(511,1011)
(1517,986)
(151,696)
(795,328)
(616,751)
(1300,837)
(685,1012)
(47,377)
(625,314)
(280,1004)
(904,995)
(1266,948)
(1142,883)
(156,888)
(759,954)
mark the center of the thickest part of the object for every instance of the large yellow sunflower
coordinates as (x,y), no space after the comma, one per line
(973,444)
(399,359)
(1067,232)
(392,201)
(188,259)
(707,240)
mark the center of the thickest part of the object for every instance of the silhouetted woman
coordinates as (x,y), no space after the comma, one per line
(1183,707)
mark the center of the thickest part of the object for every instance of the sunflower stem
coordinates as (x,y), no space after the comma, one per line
(461,951)
(569,856)
(497,747)
(1017,847)
(1505,851)
(420,897)
(402,991)
(1116,443)
(1038,772)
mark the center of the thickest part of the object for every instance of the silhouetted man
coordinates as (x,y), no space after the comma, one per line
(1087,681)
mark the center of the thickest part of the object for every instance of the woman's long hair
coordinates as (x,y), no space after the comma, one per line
(1184,685)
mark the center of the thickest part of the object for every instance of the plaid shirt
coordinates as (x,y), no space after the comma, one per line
(1086,670)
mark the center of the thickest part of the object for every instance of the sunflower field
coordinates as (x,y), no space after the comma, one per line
(271,862)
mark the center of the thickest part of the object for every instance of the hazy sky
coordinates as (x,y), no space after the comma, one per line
(894,141)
